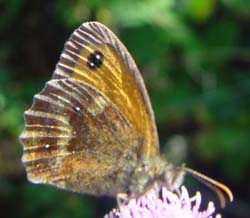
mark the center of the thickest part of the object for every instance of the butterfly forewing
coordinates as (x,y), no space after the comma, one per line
(117,77)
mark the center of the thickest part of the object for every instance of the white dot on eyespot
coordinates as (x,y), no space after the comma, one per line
(47,146)
(77,109)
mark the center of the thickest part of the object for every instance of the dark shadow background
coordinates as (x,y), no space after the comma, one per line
(195,59)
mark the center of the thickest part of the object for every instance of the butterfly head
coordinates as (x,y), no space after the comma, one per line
(158,172)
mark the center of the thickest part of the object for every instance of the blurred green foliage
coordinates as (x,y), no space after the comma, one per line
(195,59)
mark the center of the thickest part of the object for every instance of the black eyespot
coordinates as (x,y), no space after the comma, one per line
(95,60)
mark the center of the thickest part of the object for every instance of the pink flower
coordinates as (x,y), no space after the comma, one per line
(169,205)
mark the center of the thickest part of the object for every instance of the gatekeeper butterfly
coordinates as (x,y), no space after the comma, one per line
(92,129)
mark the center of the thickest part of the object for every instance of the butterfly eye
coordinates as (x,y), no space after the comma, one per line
(95,60)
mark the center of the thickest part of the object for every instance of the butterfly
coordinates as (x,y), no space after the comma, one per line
(92,128)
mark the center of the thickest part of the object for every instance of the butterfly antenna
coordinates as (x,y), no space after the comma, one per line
(219,188)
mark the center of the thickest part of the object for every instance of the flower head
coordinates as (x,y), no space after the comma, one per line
(169,205)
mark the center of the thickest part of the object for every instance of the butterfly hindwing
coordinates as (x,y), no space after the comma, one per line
(68,130)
